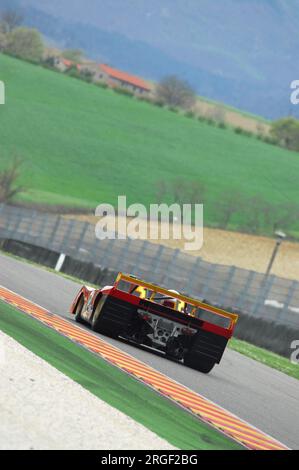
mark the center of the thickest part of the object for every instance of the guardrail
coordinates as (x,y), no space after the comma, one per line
(271,298)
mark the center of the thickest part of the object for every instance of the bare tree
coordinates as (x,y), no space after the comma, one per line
(197,191)
(285,216)
(269,213)
(184,191)
(161,191)
(11,19)
(175,92)
(179,190)
(254,214)
(228,204)
(8,181)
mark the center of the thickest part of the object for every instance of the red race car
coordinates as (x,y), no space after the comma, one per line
(183,328)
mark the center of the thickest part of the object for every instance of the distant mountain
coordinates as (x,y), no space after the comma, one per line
(242,52)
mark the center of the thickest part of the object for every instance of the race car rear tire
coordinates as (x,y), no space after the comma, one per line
(78,310)
(98,323)
(200,363)
(174,349)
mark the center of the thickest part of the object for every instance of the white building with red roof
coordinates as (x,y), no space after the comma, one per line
(103,72)
(116,78)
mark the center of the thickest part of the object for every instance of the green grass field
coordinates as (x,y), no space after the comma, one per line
(83,145)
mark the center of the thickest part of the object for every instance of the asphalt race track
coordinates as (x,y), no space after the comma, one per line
(262,396)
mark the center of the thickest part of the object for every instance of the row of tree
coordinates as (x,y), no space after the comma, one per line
(232,209)
(254,214)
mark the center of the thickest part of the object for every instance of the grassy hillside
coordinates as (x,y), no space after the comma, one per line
(230,51)
(83,145)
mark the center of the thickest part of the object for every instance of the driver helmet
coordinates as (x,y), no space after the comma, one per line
(171,302)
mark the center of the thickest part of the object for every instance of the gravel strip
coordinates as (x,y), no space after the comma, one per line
(41,408)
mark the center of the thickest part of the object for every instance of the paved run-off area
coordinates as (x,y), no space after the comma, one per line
(41,408)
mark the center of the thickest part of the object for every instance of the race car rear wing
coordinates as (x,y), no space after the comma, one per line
(186,305)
